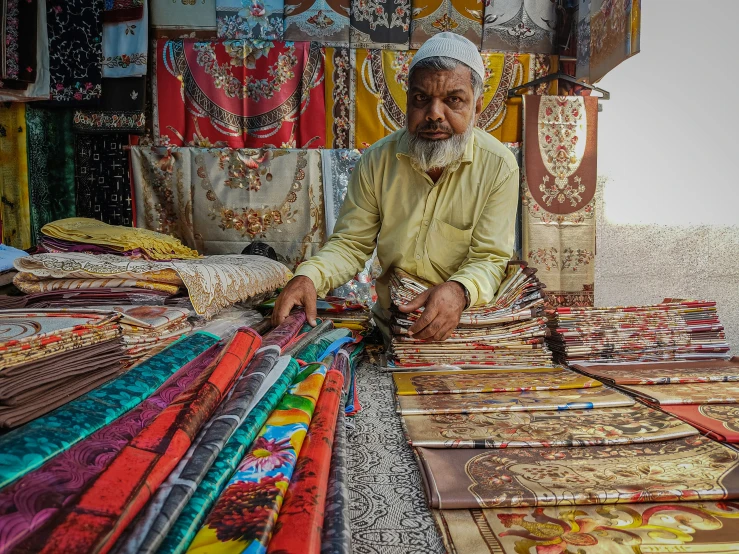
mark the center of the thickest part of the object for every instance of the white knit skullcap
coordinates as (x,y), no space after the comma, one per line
(451,45)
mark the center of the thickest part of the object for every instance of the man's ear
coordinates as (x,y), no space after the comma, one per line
(478,105)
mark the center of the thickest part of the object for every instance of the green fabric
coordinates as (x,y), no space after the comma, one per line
(311,352)
(26,448)
(187,525)
(50,166)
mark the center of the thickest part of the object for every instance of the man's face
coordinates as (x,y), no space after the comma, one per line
(441,103)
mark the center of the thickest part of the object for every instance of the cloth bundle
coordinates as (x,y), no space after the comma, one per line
(508,331)
(50,358)
(212,283)
(68,234)
(673,330)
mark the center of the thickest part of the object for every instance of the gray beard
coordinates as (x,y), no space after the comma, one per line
(436,154)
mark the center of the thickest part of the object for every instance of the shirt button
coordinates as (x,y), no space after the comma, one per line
(425,221)
(418,256)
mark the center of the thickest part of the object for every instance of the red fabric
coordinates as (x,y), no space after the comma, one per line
(725,429)
(227,93)
(305,500)
(113,500)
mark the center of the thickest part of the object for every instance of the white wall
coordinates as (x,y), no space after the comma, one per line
(669,150)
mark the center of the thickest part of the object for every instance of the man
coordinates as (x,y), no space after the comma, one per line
(438,199)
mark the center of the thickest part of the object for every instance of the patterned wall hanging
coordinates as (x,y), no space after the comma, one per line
(250,19)
(183,18)
(520,25)
(324,21)
(15,215)
(383,24)
(430,17)
(239,94)
(558,194)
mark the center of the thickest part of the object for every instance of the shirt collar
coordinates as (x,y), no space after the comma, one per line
(467,157)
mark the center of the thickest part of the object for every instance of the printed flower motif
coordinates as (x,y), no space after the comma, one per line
(244,507)
(268,454)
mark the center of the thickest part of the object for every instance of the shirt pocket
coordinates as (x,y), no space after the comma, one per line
(447,246)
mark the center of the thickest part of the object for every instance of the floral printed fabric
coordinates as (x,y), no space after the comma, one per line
(15,215)
(245,514)
(692,468)
(463,17)
(75,29)
(51,179)
(184,19)
(25,449)
(103,180)
(123,10)
(178,489)
(520,25)
(324,21)
(250,19)
(121,110)
(618,529)
(239,94)
(125,47)
(380,24)
(29,503)
(718,421)
(19,29)
(92,522)
(558,191)
(305,500)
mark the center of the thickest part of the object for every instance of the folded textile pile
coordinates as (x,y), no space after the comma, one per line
(510,331)
(498,449)
(148,327)
(675,330)
(8,255)
(704,393)
(50,358)
(212,283)
(80,234)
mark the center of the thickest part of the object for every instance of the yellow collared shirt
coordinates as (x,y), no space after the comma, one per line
(460,228)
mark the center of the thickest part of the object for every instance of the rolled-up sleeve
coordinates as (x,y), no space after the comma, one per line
(492,242)
(354,237)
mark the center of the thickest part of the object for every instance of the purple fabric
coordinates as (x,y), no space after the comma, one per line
(29,503)
(281,335)
(51,244)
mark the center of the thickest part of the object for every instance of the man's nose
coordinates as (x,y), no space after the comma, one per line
(435,111)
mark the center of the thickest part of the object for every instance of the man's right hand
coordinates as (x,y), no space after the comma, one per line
(300,291)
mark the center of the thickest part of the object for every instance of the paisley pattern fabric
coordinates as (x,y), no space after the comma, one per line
(51,181)
(443,382)
(240,94)
(305,500)
(718,421)
(246,511)
(27,448)
(558,191)
(480,402)
(190,520)
(542,429)
(174,494)
(75,29)
(322,21)
(103,179)
(616,529)
(15,215)
(692,468)
(687,393)
(463,17)
(520,25)
(378,80)
(663,373)
(32,501)
(92,522)
(212,283)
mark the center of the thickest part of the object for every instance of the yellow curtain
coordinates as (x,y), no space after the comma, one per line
(15,212)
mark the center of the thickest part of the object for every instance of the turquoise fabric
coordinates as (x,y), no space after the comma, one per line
(26,448)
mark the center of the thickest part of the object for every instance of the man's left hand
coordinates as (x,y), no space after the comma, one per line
(443,306)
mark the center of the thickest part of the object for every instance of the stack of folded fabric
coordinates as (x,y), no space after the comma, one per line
(702,393)
(8,255)
(510,331)
(675,330)
(50,358)
(79,234)
(212,283)
(501,450)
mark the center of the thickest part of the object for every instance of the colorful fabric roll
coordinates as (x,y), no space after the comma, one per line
(305,500)
(114,499)
(282,335)
(25,449)
(336,537)
(175,493)
(245,514)
(32,501)
(187,525)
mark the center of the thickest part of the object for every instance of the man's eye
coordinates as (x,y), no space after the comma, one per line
(454,99)
(421,98)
